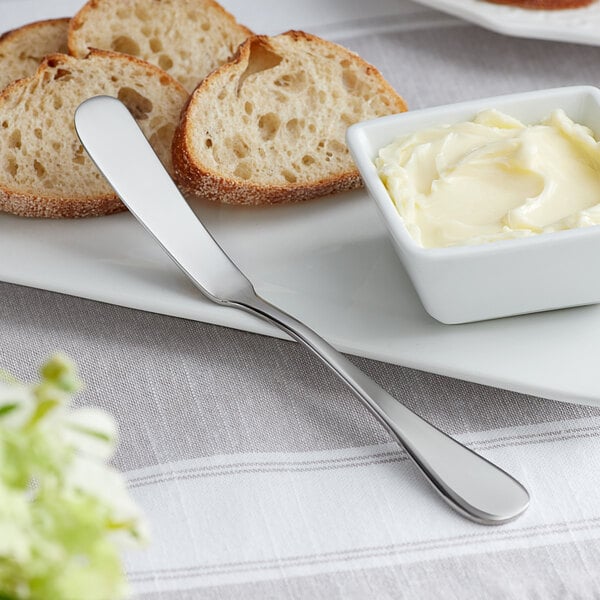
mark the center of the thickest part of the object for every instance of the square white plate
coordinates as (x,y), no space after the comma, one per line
(328,262)
(578,25)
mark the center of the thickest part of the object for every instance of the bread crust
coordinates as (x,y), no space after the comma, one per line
(77,21)
(545,4)
(20,34)
(31,203)
(86,15)
(198,180)
(18,31)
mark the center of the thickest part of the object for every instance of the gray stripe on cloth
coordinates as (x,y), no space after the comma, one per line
(591,524)
(183,389)
(563,572)
(561,433)
(440,66)
(415,20)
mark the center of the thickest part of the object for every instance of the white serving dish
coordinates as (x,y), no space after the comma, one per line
(510,277)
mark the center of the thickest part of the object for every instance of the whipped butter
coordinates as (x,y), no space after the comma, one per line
(493,178)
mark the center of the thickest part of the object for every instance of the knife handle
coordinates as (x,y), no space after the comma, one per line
(471,484)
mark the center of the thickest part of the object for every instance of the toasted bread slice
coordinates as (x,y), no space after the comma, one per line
(44,171)
(545,4)
(22,49)
(186,38)
(270,126)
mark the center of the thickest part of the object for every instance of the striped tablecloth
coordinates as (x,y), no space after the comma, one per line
(261,476)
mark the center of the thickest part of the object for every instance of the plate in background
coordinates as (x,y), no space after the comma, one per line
(579,25)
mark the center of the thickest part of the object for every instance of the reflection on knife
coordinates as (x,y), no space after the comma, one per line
(469,483)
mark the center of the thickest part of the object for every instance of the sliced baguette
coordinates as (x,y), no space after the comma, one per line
(270,126)
(22,49)
(44,171)
(186,38)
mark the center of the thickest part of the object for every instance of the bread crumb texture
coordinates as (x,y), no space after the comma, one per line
(186,38)
(21,50)
(44,170)
(270,125)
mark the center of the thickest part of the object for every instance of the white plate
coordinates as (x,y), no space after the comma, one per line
(579,25)
(330,263)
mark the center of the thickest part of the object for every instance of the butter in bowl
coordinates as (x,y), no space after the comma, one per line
(492,205)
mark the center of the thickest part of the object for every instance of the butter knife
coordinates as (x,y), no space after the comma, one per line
(475,487)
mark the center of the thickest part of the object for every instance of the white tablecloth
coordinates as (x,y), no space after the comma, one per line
(261,476)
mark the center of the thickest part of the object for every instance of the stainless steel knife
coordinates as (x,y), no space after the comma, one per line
(472,485)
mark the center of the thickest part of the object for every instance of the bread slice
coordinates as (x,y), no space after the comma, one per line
(545,4)
(186,38)
(270,126)
(21,50)
(44,170)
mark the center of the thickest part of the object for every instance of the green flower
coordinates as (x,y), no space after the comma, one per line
(62,508)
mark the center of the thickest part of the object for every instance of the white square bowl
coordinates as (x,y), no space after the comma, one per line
(461,284)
